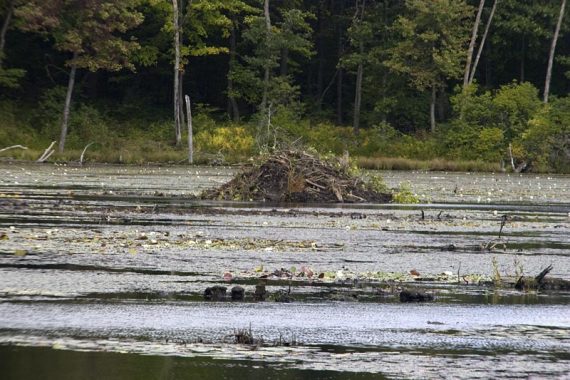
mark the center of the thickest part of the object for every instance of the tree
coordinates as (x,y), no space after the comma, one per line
(258,74)
(483,40)
(433,36)
(8,77)
(551,54)
(89,30)
(472,43)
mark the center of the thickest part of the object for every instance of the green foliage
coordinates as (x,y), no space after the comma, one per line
(434,34)
(404,194)
(90,30)
(547,140)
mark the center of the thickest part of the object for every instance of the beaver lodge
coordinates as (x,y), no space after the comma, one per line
(297,176)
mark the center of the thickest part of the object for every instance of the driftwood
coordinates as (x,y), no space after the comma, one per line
(295,176)
(13,147)
(47,153)
(83,153)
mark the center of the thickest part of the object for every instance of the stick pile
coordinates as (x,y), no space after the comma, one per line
(295,176)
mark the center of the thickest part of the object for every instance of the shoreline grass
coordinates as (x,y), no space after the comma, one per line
(399,163)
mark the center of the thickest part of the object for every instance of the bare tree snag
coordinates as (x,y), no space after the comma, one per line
(432,108)
(190,137)
(483,40)
(552,50)
(472,44)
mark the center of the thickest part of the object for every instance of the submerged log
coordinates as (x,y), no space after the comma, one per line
(408,296)
(215,293)
(539,282)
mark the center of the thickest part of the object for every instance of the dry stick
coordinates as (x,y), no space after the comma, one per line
(13,147)
(47,153)
(190,141)
(83,153)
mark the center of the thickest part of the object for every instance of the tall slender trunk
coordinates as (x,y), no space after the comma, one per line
(181,98)
(358,95)
(4,29)
(190,133)
(67,106)
(432,108)
(483,40)
(472,44)
(232,102)
(266,70)
(552,50)
(359,77)
(340,77)
(177,125)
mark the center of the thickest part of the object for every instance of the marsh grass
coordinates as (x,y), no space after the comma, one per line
(398,163)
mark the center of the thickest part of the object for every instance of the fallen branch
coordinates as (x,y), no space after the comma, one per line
(83,153)
(47,153)
(13,147)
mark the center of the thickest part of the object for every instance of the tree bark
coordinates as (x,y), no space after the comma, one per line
(4,29)
(552,50)
(432,108)
(67,106)
(177,125)
(483,40)
(467,72)
(266,69)
(232,102)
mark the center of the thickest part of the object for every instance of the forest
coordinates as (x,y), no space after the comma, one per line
(434,84)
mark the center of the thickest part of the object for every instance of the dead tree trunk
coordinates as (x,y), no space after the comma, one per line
(4,30)
(67,106)
(177,125)
(483,40)
(551,54)
(340,77)
(472,44)
(190,137)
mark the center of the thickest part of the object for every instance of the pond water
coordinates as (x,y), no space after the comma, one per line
(103,267)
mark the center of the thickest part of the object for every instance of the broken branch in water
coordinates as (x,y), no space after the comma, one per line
(83,153)
(47,153)
(504,220)
(13,147)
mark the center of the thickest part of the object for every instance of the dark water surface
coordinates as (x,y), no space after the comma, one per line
(102,271)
